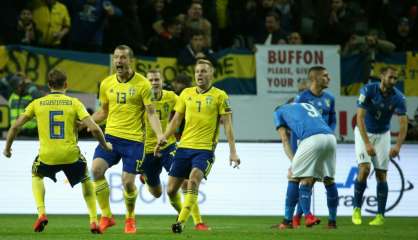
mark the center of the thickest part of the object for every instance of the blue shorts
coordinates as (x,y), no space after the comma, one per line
(75,172)
(186,159)
(152,166)
(131,152)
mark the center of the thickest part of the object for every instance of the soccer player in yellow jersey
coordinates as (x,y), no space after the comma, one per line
(151,167)
(124,98)
(56,115)
(203,107)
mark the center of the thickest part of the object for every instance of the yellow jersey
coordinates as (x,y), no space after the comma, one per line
(127,103)
(202,112)
(56,116)
(50,21)
(163,107)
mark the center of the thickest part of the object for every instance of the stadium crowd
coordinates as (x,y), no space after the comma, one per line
(173,28)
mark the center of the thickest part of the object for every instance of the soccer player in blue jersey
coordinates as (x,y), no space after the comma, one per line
(375,106)
(324,102)
(56,115)
(313,160)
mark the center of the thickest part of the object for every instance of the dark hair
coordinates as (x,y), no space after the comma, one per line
(386,68)
(126,47)
(274,14)
(56,79)
(316,69)
(183,78)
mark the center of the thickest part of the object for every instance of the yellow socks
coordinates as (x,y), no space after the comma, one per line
(90,198)
(197,218)
(130,199)
(190,199)
(38,190)
(102,194)
(176,202)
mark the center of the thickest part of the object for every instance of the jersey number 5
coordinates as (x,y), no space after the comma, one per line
(56,125)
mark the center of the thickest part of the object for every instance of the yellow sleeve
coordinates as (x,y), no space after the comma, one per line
(224,105)
(180,104)
(30,109)
(66,21)
(146,94)
(81,110)
(102,94)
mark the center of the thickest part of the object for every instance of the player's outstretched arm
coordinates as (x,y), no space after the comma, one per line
(155,122)
(283,133)
(361,114)
(102,114)
(403,128)
(174,124)
(229,132)
(97,133)
(11,135)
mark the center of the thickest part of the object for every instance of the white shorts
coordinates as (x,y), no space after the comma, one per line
(315,157)
(381,143)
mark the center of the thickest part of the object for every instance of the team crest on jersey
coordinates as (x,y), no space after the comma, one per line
(131,91)
(328,102)
(189,99)
(209,100)
(111,90)
(361,98)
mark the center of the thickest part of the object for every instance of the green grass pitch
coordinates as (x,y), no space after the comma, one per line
(223,227)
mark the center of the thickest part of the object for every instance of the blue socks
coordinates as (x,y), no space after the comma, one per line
(292,196)
(382,196)
(299,211)
(305,193)
(359,188)
(332,201)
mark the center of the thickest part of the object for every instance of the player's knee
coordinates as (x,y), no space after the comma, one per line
(381,175)
(364,171)
(97,173)
(171,192)
(155,191)
(328,181)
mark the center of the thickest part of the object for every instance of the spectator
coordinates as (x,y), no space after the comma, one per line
(194,20)
(152,11)
(26,29)
(294,38)
(53,22)
(88,18)
(403,38)
(125,29)
(195,50)
(339,25)
(168,42)
(370,45)
(272,33)
(19,100)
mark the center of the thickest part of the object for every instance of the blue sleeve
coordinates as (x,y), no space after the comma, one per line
(293,142)
(278,121)
(363,98)
(400,108)
(332,120)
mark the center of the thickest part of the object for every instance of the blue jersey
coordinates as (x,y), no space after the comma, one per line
(301,118)
(325,103)
(380,108)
